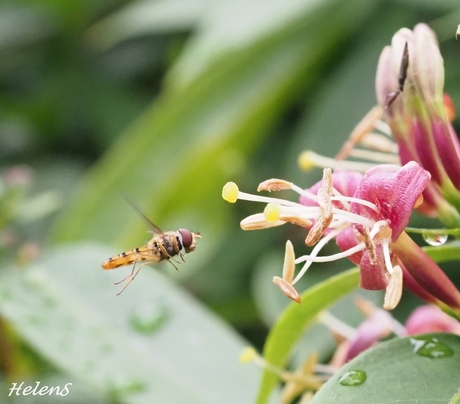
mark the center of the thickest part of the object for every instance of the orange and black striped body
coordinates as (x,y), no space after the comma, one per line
(161,247)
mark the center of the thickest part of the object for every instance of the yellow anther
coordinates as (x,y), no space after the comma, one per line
(230,192)
(307,161)
(248,355)
(272,212)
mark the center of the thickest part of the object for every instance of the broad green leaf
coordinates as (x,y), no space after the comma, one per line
(152,344)
(296,319)
(418,369)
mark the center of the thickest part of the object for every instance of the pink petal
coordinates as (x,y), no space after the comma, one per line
(394,190)
(373,273)
(426,319)
(347,239)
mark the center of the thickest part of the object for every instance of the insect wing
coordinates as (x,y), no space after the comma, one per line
(153,227)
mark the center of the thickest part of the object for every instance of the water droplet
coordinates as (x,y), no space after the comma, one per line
(435,239)
(149,318)
(431,347)
(353,378)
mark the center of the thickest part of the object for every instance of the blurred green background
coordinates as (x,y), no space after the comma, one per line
(165,101)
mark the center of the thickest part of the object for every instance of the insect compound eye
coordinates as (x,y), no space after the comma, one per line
(187,237)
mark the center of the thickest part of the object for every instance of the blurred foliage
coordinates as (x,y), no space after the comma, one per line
(165,101)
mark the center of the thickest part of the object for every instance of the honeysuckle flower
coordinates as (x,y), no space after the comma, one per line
(367,216)
(412,109)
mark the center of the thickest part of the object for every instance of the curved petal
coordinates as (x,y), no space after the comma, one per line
(373,270)
(394,190)
(347,239)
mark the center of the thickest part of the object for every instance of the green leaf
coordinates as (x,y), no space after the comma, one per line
(396,374)
(152,344)
(296,319)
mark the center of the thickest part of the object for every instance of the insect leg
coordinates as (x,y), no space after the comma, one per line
(131,276)
(172,261)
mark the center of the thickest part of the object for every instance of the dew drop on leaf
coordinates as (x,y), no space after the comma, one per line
(435,239)
(353,378)
(431,347)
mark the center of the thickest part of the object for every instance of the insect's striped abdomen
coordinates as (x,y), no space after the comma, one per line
(144,253)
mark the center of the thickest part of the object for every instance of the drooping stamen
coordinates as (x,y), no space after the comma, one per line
(287,289)
(258,222)
(381,158)
(345,199)
(289,262)
(370,246)
(309,160)
(325,217)
(309,259)
(380,142)
(394,289)
(274,184)
(364,127)
(305,193)
(387,257)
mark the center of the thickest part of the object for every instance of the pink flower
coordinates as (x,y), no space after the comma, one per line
(425,319)
(394,192)
(367,216)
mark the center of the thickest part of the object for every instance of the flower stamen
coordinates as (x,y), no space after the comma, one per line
(370,246)
(274,184)
(394,289)
(287,288)
(325,205)
(289,262)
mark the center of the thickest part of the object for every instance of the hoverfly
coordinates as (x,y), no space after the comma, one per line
(162,246)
